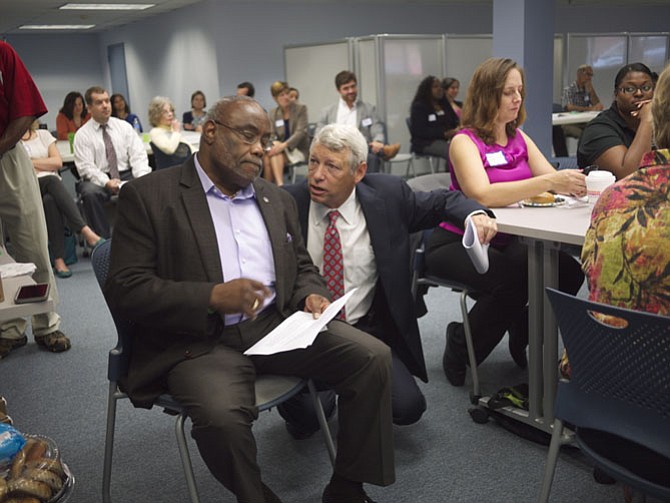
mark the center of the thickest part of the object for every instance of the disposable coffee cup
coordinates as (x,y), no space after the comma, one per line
(596,182)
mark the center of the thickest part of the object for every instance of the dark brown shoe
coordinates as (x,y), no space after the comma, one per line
(56,342)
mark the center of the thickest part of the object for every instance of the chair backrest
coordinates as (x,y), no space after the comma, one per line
(117,366)
(164,160)
(620,379)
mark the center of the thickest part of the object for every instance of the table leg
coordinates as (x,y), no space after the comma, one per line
(550,350)
(535,328)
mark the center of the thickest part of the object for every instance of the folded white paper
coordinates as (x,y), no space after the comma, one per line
(478,253)
(298,331)
(17,269)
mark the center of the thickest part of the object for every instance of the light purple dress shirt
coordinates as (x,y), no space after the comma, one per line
(244,243)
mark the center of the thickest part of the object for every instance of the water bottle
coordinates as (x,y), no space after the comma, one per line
(136,126)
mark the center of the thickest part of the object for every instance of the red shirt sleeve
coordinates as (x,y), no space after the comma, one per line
(19,96)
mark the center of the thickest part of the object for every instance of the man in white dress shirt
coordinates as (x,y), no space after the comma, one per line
(350,110)
(104,169)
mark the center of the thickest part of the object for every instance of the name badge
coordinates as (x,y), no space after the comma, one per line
(496,158)
(432,118)
(440,112)
(279,123)
(366,122)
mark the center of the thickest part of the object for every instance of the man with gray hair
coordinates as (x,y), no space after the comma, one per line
(373,215)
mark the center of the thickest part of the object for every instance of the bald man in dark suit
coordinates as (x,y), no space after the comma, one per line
(206,260)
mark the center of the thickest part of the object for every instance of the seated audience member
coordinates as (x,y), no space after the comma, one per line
(451,88)
(580,96)
(166,131)
(293,94)
(71,116)
(59,207)
(627,247)
(432,120)
(196,117)
(246,89)
(368,212)
(289,131)
(617,139)
(121,110)
(350,110)
(495,163)
(189,340)
(107,153)
(626,251)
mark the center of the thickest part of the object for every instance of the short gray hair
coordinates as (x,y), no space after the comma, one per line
(337,137)
(156,109)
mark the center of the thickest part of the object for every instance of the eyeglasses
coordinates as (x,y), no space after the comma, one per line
(249,137)
(645,88)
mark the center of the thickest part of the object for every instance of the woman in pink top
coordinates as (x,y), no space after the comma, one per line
(497,164)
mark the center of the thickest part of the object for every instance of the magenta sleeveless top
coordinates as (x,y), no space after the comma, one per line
(502,164)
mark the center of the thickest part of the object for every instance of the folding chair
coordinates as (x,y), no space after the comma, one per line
(271,390)
(618,393)
(163,160)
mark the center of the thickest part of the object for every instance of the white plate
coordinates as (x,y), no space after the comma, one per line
(527,203)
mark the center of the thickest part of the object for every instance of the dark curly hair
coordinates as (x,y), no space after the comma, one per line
(68,105)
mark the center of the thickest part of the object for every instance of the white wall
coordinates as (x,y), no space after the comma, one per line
(59,64)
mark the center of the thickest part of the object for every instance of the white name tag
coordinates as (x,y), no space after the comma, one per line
(279,123)
(440,112)
(496,158)
(432,118)
(366,122)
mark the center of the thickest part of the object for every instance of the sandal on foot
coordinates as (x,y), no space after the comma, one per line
(7,345)
(57,341)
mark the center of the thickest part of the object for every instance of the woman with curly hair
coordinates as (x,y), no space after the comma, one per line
(72,115)
(432,121)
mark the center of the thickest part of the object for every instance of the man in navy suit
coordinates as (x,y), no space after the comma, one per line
(378,212)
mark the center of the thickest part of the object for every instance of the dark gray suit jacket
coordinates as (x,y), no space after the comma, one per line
(392,212)
(165,262)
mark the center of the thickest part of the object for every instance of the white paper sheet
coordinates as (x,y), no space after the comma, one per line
(14,269)
(478,253)
(298,331)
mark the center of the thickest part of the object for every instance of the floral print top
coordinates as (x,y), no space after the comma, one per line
(626,254)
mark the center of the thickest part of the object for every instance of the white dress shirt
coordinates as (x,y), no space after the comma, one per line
(360,269)
(91,159)
(346,115)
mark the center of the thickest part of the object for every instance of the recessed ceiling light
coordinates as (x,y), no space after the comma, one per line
(56,26)
(106,6)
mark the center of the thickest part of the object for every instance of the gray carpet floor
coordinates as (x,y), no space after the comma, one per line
(445,457)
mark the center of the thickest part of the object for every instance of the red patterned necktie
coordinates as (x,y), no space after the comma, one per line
(333,264)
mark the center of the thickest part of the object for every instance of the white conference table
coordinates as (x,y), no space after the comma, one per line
(8,309)
(564,118)
(543,231)
(190,137)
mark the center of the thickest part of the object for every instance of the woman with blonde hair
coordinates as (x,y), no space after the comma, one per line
(288,122)
(166,131)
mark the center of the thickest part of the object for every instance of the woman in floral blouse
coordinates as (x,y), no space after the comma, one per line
(626,253)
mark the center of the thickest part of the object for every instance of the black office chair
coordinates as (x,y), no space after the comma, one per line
(163,160)
(271,390)
(433,161)
(618,396)
(420,278)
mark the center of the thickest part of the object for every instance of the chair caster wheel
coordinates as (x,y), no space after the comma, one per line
(474,399)
(479,415)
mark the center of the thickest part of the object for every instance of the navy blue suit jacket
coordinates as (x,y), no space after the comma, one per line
(392,212)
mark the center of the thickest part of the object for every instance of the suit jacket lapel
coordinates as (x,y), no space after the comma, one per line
(197,210)
(374,209)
